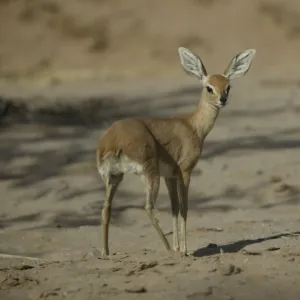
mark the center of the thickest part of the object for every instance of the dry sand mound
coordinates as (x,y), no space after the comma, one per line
(74,39)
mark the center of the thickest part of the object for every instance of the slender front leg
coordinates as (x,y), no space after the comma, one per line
(171,184)
(112,183)
(152,192)
(183,186)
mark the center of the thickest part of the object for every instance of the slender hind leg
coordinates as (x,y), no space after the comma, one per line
(152,192)
(112,182)
(171,184)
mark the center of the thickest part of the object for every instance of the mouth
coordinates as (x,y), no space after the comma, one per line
(222,104)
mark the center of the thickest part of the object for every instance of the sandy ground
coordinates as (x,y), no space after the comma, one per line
(243,225)
(74,66)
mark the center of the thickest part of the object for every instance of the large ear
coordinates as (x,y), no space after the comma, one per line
(192,63)
(240,64)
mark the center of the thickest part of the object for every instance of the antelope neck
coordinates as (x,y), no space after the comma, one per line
(204,116)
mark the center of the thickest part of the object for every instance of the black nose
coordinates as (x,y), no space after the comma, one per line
(223,100)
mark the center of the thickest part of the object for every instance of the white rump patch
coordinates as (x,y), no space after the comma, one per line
(118,165)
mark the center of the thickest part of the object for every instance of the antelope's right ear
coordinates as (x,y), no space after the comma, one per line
(192,63)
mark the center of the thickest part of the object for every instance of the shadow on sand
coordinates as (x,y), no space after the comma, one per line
(234,247)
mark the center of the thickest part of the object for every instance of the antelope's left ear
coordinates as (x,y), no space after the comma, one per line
(240,64)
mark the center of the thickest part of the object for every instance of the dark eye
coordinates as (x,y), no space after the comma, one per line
(228,89)
(210,90)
